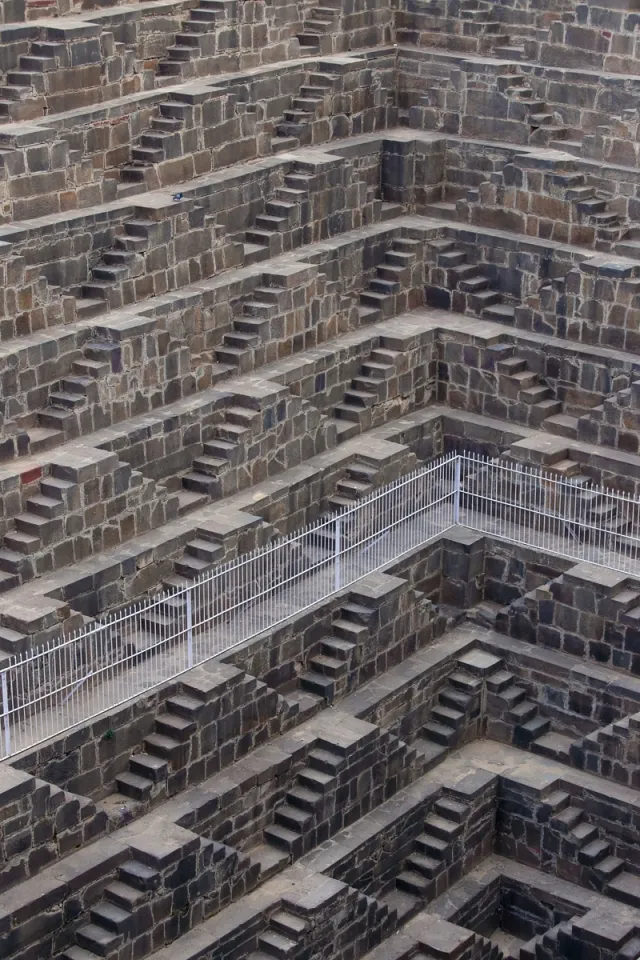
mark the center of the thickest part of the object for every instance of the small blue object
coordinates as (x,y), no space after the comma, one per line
(177,196)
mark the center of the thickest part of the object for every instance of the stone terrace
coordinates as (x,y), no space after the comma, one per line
(258,261)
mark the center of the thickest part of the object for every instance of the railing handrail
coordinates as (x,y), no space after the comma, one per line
(40,689)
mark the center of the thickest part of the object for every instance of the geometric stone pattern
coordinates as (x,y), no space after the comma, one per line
(256,262)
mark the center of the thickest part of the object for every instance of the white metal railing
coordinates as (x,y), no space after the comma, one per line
(48,690)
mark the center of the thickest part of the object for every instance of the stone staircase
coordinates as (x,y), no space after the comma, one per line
(162,141)
(22,97)
(163,751)
(478,22)
(617,413)
(377,302)
(545,125)
(220,454)
(534,399)
(286,213)
(581,506)
(282,938)
(353,415)
(251,329)
(112,918)
(73,510)
(196,41)
(312,806)
(629,243)
(73,394)
(458,285)
(606,872)
(458,703)
(305,801)
(594,209)
(313,102)
(612,751)
(317,27)
(121,278)
(544,944)
(328,670)
(515,717)
(434,848)
(130,902)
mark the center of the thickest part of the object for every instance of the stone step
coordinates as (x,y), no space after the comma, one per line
(277,944)
(316,780)
(179,728)
(583,834)
(124,896)
(414,883)
(500,313)
(567,819)
(523,711)
(433,846)
(98,940)
(285,839)
(305,798)
(448,717)
(165,747)
(185,706)
(454,699)
(625,887)
(553,745)
(325,761)
(608,869)
(47,507)
(593,852)
(531,730)
(427,866)
(318,683)
(452,809)
(111,916)
(287,923)
(328,666)
(513,695)
(442,828)
(149,767)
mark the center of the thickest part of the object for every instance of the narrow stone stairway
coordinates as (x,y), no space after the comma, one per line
(327,675)
(518,383)
(458,702)
(271,234)
(458,285)
(544,944)
(165,751)
(317,25)
(162,141)
(111,918)
(313,102)
(73,393)
(608,873)
(282,938)
(433,849)
(22,96)
(377,302)
(251,329)
(196,40)
(225,450)
(354,414)
(305,802)
(518,714)
(545,125)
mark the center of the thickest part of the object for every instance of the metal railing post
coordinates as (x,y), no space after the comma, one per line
(5,713)
(456,491)
(189,628)
(338,553)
